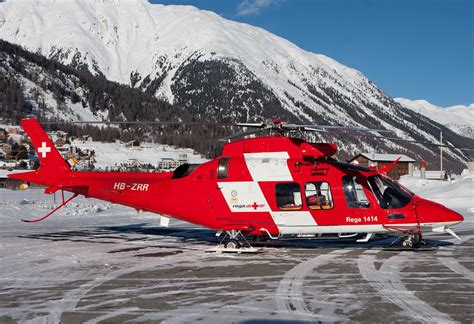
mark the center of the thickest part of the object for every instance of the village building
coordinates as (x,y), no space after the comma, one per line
(404,166)
(132,144)
(15,151)
(7,148)
(57,134)
(170,163)
(81,139)
(6,182)
(14,130)
(3,135)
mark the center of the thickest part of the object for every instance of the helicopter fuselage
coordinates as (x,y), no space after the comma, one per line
(271,186)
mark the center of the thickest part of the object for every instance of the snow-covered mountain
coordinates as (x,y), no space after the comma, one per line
(216,68)
(458,118)
(32,85)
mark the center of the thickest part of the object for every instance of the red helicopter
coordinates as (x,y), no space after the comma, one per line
(273,187)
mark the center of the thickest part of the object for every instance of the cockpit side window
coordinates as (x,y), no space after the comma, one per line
(288,196)
(388,193)
(318,195)
(223,168)
(354,192)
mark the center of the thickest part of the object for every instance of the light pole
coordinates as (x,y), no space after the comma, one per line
(441,155)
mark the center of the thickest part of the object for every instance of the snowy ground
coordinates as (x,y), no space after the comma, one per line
(100,262)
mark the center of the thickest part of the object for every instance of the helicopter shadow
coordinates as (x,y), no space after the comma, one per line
(207,237)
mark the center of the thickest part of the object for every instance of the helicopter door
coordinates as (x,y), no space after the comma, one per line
(290,218)
(357,202)
(354,193)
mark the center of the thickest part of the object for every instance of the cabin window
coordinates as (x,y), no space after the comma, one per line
(389,194)
(288,196)
(354,192)
(318,195)
(223,168)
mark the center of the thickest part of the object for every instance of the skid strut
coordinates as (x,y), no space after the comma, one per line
(53,211)
(234,240)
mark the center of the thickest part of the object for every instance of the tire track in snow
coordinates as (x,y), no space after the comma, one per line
(458,268)
(387,281)
(290,297)
(70,300)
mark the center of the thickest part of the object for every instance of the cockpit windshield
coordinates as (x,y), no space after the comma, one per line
(389,194)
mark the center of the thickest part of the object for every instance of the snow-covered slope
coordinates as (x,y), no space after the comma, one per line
(216,68)
(122,37)
(459,118)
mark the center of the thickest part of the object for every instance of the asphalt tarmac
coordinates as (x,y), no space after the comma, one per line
(72,271)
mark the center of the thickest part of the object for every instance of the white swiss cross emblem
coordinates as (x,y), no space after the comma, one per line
(44,149)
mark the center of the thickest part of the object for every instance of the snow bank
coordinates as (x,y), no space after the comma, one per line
(457,194)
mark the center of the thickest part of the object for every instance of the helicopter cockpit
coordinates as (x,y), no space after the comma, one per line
(389,193)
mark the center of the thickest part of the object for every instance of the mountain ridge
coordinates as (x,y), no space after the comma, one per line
(458,118)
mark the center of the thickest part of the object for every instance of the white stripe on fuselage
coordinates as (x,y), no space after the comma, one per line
(293,219)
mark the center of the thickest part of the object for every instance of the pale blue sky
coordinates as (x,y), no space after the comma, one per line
(417,49)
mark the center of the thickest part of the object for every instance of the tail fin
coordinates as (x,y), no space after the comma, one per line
(52,164)
(389,167)
(50,158)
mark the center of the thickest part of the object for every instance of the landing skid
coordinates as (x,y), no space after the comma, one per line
(411,242)
(422,248)
(234,242)
(223,249)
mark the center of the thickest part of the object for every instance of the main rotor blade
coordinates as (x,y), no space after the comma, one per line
(330,128)
(257,125)
(419,142)
(139,123)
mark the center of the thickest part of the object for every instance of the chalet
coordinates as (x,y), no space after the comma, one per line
(169,163)
(60,142)
(404,166)
(14,130)
(79,140)
(86,138)
(132,144)
(135,163)
(57,134)
(3,135)
(7,148)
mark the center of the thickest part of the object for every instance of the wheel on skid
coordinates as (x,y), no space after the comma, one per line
(417,239)
(232,244)
(407,242)
(412,241)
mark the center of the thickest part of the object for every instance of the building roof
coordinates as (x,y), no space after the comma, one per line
(381,157)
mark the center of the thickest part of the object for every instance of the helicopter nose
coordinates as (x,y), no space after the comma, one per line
(435,212)
(448,216)
(454,216)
